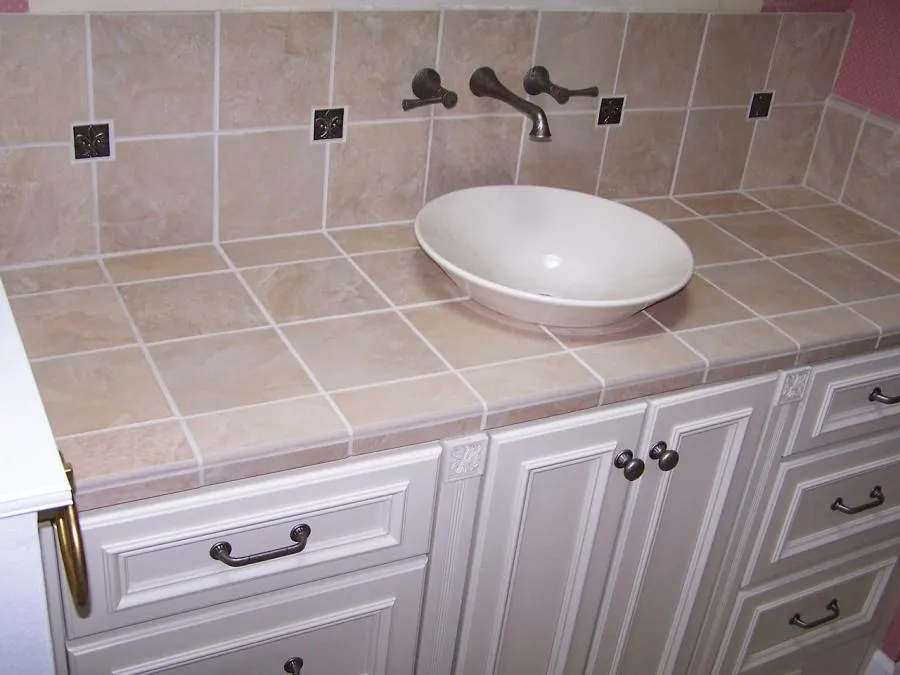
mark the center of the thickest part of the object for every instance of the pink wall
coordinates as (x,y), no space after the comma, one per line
(13,5)
(806,5)
(870,74)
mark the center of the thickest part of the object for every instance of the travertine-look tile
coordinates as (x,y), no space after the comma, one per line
(52,278)
(378,175)
(502,40)
(272,427)
(156,193)
(571,161)
(840,225)
(472,152)
(425,410)
(697,305)
(580,49)
(659,362)
(885,256)
(742,349)
(830,162)
(841,275)
(709,244)
(228,371)
(735,58)
(177,308)
(120,493)
(807,55)
(782,146)
(95,391)
(817,332)
(771,233)
(661,208)
(765,288)
(873,185)
(639,325)
(45,206)
(275,67)
(361,350)
(659,59)
(41,99)
(253,252)
(787,197)
(312,290)
(467,335)
(527,390)
(729,202)
(172,263)
(135,451)
(269,183)
(153,73)
(641,154)
(716,144)
(885,313)
(376,56)
(408,277)
(378,238)
(71,321)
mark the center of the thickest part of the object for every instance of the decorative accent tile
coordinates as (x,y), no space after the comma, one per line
(610,110)
(793,388)
(466,457)
(760,104)
(327,124)
(92,141)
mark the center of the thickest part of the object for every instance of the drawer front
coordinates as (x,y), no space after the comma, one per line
(154,559)
(363,622)
(829,504)
(838,406)
(845,659)
(838,603)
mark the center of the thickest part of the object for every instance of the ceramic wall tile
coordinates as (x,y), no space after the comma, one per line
(274,67)
(40,99)
(378,238)
(715,150)
(873,185)
(274,250)
(782,146)
(788,197)
(571,160)
(834,149)
(153,73)
(377,55)
(172,263)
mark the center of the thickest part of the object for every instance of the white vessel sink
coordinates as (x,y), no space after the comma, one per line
(553,256)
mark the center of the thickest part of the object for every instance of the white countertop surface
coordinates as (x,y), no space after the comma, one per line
(31,473)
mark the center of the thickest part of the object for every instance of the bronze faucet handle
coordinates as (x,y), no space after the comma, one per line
(426,85)
(537,81)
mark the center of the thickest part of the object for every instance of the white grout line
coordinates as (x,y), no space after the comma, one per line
(95,181)
(524,127)
(217,88)
(859,134)
(326,169)
(160,382)
(141,138)
(815,146)
(432,111)
(289,345)
(409,324)
(687,117)
(615,89)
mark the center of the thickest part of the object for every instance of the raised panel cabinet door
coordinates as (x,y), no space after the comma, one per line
(550,510)
(678,523)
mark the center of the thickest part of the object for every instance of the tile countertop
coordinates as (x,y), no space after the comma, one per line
(168,370)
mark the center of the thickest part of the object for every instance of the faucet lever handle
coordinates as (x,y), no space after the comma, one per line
(426,85)
(537,81)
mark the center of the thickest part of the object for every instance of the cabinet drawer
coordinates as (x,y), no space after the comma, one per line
(761,631)
(364,622)
(800,527)
(838,406)
(153,559)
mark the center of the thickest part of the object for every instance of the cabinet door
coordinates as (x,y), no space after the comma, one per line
(678,523)
(551,493)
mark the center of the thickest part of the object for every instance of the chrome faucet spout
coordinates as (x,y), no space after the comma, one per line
(484,82)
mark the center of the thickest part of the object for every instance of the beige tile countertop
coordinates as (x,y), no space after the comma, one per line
(173,369)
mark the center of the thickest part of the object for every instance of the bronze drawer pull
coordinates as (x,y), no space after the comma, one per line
(831,607)
(294,665)
(221,550)
(876,395)
(876,495)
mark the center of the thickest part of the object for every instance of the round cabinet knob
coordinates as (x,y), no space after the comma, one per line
(293,666)
(632,468)
(668,459)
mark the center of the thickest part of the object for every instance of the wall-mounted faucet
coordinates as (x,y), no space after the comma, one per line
(426,85)
(484,82)
(537,81)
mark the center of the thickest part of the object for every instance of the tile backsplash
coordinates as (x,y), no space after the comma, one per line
(211,114)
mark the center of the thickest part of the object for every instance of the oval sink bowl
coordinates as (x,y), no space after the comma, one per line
(551,256)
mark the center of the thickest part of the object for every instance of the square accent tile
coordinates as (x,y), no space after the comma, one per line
(91,141)
(760,105)
(362,350)
(178,308)
(328,124)
(228,371)
(611,109)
